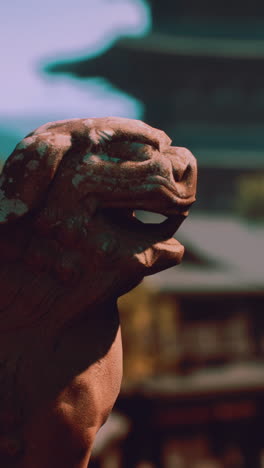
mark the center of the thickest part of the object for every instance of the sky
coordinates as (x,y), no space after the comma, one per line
(34,33)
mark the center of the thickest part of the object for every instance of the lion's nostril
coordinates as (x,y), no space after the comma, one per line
(187,174)
(183,164)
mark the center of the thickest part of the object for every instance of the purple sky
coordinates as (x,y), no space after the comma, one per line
(36,32)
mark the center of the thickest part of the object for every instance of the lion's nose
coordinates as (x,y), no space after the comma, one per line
(184,171)
(182,174)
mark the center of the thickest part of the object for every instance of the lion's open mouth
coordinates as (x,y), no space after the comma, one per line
(140,225)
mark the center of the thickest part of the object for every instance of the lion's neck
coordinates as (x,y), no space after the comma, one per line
(97,325)
(84,356)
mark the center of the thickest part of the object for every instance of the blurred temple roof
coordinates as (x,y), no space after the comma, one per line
(231,254)
(199,78)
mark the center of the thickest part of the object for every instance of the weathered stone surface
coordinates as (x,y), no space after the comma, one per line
(70,246)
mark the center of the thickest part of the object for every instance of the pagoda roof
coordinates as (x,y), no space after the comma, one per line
(206,93)
(231,258)
(193,44)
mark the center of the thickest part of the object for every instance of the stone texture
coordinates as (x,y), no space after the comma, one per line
(70,246)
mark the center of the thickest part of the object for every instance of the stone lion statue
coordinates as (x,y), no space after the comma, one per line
(70,245)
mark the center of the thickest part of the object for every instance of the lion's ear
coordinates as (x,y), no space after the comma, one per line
(28,173)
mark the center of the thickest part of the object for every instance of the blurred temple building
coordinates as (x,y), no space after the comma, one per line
(199,74)
(194,335)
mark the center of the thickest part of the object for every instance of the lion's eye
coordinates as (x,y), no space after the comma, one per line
(106,157)
(129,151)
(98,157)
(118,152)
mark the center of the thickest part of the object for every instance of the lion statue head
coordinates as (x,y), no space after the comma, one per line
(68,234)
